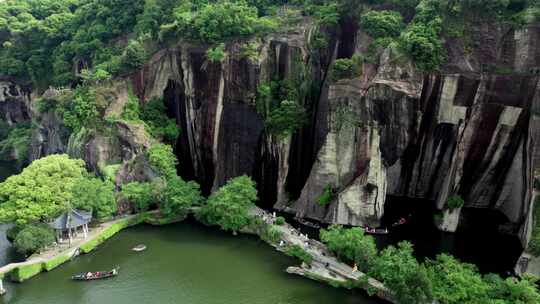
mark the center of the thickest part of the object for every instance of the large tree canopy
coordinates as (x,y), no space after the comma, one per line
(41,191)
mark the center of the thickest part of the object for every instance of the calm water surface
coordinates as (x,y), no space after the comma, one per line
(185,263)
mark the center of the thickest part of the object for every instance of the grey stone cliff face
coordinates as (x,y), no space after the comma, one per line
(465,131)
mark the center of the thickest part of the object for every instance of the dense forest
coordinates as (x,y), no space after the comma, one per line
(78,48)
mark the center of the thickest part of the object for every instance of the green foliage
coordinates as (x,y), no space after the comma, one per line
(16,141)
(380,24)
(286,119)
(350,243)
(423,44)
(96,195)
(271,234)
(95,77)
(134,56)
(32,238)
(162,159)
(140,195)
(402,274)
(455,282)
(454,202)
(132,109)
(326,196)
(534,243)
(298,252)
(41,192)
(86,109)
(216,54)
(229,206)
(346,68)
(160,125)
(250,51)
(213,21)
(179,195)
(280,220)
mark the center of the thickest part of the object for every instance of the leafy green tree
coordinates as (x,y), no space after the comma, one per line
(286,119)
(42,191)
(455,282)
(179,195)
(380,24)
(346,68)
(513,290)
(423,43)
(216,54)
(32,238)
(402,274)
(298,252)
(96,195)
(162,159)
(229,206)
(134,56)
(86,109)
(141,195)
(350,243)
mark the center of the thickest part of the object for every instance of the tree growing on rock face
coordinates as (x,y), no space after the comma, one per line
(42,191)
(229,206)
(162,159)
(380,24)
(350,243)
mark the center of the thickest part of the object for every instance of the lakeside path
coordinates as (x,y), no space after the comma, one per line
(57,255)
(325,266)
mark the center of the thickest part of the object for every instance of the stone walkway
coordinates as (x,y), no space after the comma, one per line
(61,249)
(325,265)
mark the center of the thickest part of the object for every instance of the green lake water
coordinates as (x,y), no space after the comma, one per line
(185,263)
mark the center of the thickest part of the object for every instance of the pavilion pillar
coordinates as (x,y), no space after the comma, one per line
(85,230)
(2,290)
(69,235)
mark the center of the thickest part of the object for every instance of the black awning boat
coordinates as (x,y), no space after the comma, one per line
(88,276)
(376,230)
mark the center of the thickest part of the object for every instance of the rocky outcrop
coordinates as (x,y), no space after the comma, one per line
(14,102)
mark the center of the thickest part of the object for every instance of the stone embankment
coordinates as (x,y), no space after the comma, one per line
(59,254)
(325,266)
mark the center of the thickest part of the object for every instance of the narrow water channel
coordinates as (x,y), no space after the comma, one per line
(185,263)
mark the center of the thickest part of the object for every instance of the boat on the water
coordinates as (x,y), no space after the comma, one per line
(402,221)
(308,223)
(376,230)
(139,248)
(87,276)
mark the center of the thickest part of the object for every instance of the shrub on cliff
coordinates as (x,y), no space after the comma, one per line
(229,206)
(154,114)
(162,159)
(454,202)
(380,24)
(346,68)
(286,118)
(351,244)
(33,238)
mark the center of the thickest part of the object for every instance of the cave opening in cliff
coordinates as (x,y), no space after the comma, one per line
(174,100)
(478,239)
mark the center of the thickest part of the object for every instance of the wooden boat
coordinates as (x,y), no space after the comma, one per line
(139,248)
(88,276)
(402,221)
(308,223)
(376,230)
